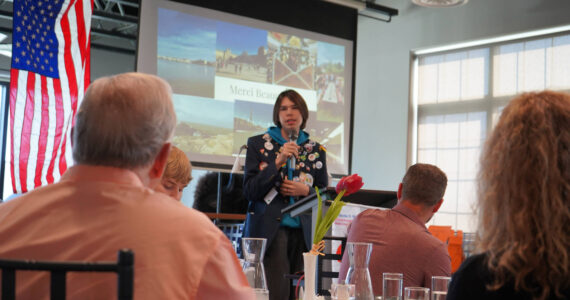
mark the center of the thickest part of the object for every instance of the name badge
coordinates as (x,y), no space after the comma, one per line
(270,196)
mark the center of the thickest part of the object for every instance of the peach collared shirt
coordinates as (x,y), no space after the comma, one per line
(95,211)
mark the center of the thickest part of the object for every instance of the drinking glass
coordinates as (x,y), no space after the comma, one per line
(261,294)
(392,286)
(253,251)
(358,274)
(416,293)
(439,286)
(340,291)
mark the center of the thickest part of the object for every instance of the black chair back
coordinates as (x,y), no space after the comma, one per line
(321,274)
(124,267)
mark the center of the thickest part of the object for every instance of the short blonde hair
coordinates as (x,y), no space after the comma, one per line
(178,167)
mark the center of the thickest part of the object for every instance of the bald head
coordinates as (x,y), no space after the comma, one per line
(123,121)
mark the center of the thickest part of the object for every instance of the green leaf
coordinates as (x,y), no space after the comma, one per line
(323,224)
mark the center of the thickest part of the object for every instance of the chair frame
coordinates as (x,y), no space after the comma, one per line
(328,256)
(124,267)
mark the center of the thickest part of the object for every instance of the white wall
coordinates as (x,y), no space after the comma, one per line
(105,63)
(383,69)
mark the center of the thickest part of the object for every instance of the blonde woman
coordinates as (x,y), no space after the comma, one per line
(177,174)
(524,206)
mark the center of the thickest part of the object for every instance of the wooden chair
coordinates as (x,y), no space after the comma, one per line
(124,267)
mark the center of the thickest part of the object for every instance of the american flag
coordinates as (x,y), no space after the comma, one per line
(49,75)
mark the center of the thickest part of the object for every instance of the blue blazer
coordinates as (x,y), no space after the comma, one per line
(261,175)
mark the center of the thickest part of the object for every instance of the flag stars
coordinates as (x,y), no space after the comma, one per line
(51,69)
(17,59)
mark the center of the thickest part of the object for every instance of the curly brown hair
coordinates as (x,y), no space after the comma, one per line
(523,194)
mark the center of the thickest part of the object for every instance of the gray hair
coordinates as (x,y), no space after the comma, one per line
(123,121)
(424,184)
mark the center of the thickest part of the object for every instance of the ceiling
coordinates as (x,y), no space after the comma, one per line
(113,25)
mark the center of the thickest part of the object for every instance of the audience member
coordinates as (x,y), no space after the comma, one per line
(104,203)
(177,174)
(401,242)
(232,198)
(524,206)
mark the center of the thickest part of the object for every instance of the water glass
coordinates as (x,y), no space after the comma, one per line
(439,286)
(253,252)
(416,293)
(392,286)
(261,294)
(340,291)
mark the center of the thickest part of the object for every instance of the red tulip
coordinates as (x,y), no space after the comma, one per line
(350,184)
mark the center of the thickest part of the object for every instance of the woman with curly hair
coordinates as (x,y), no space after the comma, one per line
(524,206)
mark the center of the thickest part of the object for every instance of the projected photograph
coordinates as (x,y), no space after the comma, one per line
(226,72)
(250,118)
(330,134)
(291,60)
(240,52)
(201,131)
(186,50)
(329,82)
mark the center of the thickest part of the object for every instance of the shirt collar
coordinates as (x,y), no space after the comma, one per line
(410,214)
(101,174)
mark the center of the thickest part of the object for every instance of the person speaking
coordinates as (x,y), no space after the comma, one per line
(281,166)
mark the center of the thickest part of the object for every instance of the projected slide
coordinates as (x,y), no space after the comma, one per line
(226,77)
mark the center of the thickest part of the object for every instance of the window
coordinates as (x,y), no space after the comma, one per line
(458,97)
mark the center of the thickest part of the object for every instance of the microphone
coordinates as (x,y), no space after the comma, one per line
(293,135)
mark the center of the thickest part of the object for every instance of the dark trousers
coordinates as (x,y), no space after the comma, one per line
(284,256)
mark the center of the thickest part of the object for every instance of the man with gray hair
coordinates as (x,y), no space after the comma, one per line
(121,142)
(401,243)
